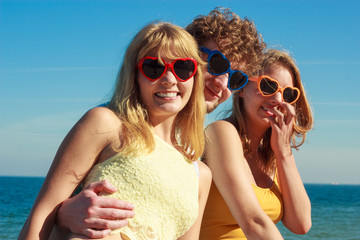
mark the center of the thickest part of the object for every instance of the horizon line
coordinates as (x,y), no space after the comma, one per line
(324,183)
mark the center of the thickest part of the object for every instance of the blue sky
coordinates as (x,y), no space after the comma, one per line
(60,58)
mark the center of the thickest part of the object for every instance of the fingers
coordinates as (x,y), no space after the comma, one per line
(277,119)
(289,113)
(101,186)
(102,221)
(103,224)
(110,213)
(114,203)
(92,215)
(102,228)
(96,234)
(99,221)
(284,114)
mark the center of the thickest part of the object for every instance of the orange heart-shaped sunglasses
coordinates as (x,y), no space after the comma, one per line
(269,86)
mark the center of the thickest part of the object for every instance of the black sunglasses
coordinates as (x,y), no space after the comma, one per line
(218,64)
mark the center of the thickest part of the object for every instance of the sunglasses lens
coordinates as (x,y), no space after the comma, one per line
(268,87)
(184,69)
(152,68)
(218,64)
(237,80)
(290,95)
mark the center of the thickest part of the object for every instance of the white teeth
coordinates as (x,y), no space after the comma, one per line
(166,95)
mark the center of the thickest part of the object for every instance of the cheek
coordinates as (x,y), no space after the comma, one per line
(144,86)
(139,79)
(189,86)
(250,97)
(251,92)
(207,76)
(143,82)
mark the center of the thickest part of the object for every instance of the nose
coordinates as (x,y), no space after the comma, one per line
(169,78)
(221,81)
(276,98)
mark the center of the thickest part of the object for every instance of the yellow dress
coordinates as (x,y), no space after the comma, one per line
(218,222)
(163,186)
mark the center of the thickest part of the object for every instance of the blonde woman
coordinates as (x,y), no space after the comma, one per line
(232,48)
(146,143)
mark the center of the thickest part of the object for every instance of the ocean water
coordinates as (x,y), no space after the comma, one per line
(335,209)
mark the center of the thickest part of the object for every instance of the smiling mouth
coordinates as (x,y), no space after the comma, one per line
(166,95)
(267,110)
(212,92)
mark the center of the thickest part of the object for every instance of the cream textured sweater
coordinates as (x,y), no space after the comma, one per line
(163,186)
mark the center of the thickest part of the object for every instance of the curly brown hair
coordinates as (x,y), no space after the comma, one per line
(238,39)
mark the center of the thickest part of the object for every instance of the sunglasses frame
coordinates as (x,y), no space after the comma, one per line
(279,88)
(210,53)
(167,65)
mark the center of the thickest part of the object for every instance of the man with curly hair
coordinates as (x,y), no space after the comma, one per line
(220,34)
(239,42)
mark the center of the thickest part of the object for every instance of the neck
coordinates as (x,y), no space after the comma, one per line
(163,127)
(254,135)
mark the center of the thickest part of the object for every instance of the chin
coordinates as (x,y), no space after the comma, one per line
(210,106)
(173,110)
(267,123)
(264,122)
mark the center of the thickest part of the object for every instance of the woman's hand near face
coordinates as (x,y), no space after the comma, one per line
(297,206)
(282,128)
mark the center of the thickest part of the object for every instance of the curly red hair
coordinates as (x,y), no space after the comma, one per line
(238,39)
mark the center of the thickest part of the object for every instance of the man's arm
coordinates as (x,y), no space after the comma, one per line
(91,215)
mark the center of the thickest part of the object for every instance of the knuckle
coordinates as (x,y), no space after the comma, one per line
(122,223)
(104,182)
(113,214)
(96,234)
(106,224)
(90,233)
(125,205)
(103,224)
(87,221)
(91,185)
(93,200)
(90,211)
(129,214)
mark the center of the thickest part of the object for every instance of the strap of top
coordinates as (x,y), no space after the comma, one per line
(196,165)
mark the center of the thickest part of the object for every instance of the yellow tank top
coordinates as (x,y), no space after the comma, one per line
(218,222)
(163,186)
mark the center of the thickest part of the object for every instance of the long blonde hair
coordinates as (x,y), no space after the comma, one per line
(303,118)
(187,133)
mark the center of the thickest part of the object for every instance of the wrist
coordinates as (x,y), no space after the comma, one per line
(58,220)
(284,154)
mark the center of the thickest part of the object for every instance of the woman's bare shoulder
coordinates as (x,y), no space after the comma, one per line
(222,128)
(102,118)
